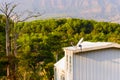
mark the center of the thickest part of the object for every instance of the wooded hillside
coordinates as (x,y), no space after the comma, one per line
(40,43)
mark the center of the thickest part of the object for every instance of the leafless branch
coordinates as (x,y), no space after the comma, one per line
(11,10)
(7,8)
(30,16)
(2,8)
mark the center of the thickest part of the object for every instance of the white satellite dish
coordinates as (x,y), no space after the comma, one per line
(79,43)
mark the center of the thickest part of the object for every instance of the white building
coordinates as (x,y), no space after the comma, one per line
(89,61)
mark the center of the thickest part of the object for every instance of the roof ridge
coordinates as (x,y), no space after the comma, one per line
(91,46)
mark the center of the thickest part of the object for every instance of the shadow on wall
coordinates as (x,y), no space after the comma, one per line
(112,55)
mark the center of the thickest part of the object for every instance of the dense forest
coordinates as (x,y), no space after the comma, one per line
(40,43)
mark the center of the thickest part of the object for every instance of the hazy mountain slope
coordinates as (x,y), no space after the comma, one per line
(91,9)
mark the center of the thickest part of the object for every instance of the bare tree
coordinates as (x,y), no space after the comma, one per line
(19,18)
(8,10)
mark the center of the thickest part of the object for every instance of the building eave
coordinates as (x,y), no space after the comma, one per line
(105,45)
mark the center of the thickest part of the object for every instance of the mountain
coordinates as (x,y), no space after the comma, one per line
(107,10)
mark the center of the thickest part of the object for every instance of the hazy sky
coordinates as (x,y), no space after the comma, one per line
(70,7)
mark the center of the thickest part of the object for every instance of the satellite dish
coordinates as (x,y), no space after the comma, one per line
(79,43)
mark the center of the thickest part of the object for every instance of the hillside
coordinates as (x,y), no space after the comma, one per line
(40,43)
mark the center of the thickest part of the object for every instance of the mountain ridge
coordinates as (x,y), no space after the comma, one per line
(106,10)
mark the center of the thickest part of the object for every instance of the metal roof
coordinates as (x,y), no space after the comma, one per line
(90,46)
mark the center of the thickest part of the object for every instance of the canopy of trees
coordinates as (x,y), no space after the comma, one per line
(40,43)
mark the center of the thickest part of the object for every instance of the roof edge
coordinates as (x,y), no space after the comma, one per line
(76,49)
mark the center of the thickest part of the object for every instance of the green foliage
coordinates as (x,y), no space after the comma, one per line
(40,43)
(3,60)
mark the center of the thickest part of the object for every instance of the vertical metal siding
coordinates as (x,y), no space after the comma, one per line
(69,70)
(97,65)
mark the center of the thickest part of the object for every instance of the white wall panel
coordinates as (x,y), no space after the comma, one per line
(97,65)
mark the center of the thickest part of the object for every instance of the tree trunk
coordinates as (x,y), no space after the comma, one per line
(15,52)
(14,72)
(24,76)
(15,44)
(8,72)
(7,30)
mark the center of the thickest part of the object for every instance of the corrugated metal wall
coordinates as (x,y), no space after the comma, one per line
(69,65)
(97,65)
